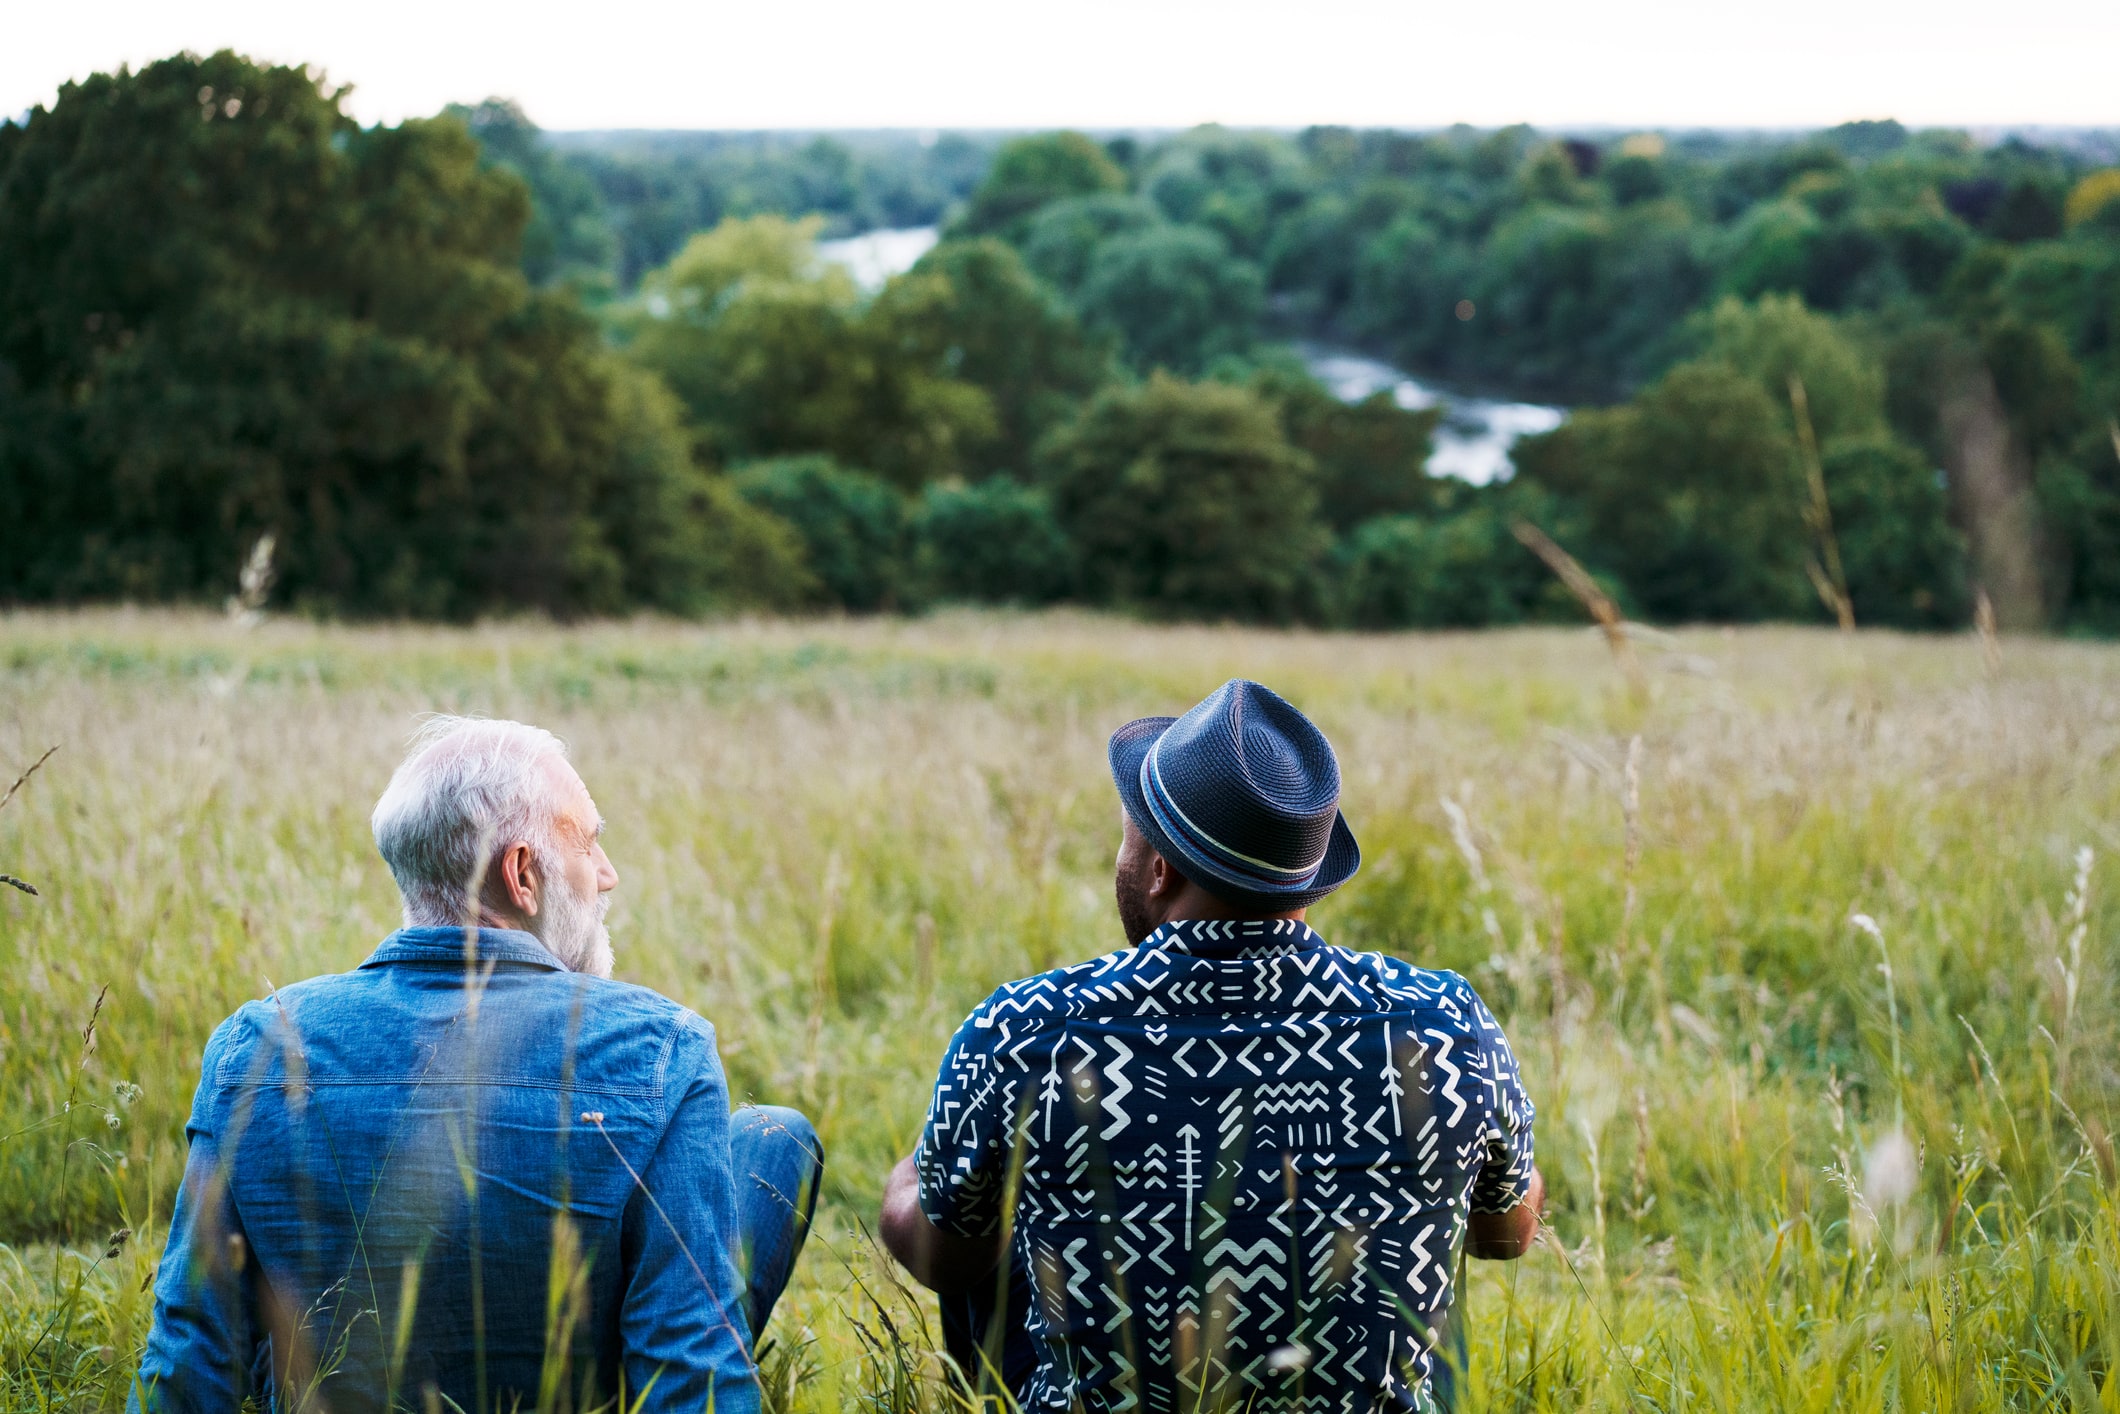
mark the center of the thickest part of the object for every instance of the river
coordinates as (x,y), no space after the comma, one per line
(1472,441)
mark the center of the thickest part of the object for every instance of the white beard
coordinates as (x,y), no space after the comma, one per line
(572,929)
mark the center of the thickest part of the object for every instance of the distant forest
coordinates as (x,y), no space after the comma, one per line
(459,366)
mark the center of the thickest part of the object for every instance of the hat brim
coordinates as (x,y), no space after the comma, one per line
(1129,748)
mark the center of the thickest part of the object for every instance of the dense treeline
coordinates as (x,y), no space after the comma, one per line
(458,367)
(226,311)
(609,207)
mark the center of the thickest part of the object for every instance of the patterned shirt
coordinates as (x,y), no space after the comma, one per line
(1242,1161)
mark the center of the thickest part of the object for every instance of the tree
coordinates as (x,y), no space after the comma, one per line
(1234,184)
(1633,177)
(970,311)
(569,236)
(1777,339)
(852,525)
(1904,561)
(1063,239)
(1031,172)
(2095,196)
(1461,570)
(1772,249)
(1371,456)
(227,310)
(752,332)
(1186,499)
(1690,496)
(996,541)
(774,354)
(1407,286)
(1175,296)
(1540,294)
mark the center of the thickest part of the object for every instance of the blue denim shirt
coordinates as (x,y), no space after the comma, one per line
(464,1168)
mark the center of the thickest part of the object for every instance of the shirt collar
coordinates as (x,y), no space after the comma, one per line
(460,945)
(1233,938)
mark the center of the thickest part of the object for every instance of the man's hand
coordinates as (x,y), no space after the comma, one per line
(940,1261)
(1504,1237)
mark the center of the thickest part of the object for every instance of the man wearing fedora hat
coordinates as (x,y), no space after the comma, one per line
(1229,1166)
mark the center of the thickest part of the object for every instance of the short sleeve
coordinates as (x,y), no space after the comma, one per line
(961,1159)
(1504,1178)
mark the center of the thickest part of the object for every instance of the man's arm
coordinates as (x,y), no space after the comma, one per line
(1504,1237)
(1509,1193)
(686,1345)
(206,1334)
(940,1261)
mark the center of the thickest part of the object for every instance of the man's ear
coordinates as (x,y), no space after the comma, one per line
(1162,878)
(519,879)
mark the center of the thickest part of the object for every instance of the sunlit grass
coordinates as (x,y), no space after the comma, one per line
(836,837)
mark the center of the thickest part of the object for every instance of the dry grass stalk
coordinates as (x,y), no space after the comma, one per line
(1631,806)
(22,779)
(23,884)
(246,607)
(1828,579)
(1984,625)
(1591,597)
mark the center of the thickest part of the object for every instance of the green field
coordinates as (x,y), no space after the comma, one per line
(835,837)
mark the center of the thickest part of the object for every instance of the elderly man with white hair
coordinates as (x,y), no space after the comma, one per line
(474,1173)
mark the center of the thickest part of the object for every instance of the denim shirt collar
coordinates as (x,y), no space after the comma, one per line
(444,945)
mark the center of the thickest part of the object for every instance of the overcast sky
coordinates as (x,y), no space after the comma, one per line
(1117,63)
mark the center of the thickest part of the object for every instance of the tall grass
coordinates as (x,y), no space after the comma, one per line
(1806,949)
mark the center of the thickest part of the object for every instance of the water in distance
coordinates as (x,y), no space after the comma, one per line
(1472,441)
(875,256)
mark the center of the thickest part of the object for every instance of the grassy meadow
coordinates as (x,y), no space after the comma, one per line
(1797,1161)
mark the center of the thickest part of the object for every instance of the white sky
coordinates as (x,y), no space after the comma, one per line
(1149,63)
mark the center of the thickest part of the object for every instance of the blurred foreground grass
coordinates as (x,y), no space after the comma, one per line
(835,838)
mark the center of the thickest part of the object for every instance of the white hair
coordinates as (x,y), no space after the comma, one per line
(468,790)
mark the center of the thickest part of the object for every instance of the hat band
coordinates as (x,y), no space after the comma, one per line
(1160,798)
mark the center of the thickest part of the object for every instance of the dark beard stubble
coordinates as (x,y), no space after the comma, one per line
(1130,888)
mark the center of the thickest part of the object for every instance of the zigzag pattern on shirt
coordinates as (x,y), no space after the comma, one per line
(1247,1160)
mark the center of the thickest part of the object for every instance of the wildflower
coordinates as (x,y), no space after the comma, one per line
(1288,1359)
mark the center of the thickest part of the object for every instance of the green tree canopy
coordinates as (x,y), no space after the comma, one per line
(995,541)
(970,311)
(1905,563)
(1063,239)
(774,354)
(1462,570)
(853,526)
(1030,172)
(1690,496)
(1371,456)
(1186,499)
(1234,184)
(227,310)
(569,236)
(1175,296)
(1777,339)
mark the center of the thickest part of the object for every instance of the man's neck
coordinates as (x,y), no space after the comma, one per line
(500,918)
(1195,904)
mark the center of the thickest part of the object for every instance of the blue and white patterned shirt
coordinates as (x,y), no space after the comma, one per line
(1243,1160)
